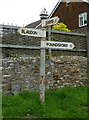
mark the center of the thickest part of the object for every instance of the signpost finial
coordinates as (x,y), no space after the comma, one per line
(44,14)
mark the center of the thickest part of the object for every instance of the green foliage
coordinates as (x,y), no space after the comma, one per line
(60,27)
(67,102)
(48,56)
(15,55)
(0,104)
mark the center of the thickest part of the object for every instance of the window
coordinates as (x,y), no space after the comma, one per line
(83,19)
(67,2)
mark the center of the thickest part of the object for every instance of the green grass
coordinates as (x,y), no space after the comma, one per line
(67,102)
(0,104)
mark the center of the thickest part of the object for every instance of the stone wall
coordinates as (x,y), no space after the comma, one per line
(60,71)
(79,40)
(21,66)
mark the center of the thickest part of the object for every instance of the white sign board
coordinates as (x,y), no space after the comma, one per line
(50,21)
(57,45)
(32,32)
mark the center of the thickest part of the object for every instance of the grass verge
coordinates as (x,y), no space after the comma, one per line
(67,102)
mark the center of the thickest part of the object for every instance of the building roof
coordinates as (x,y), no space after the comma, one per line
(59,2)
(87,1)
(37,24)
(34,24)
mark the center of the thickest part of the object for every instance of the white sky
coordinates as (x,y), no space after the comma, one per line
(23,12)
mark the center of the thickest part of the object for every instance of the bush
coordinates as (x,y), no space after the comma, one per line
(60,27)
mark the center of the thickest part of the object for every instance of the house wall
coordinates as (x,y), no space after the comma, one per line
(69,14)
(81,30)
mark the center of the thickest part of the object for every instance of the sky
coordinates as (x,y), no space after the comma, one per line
(23,12)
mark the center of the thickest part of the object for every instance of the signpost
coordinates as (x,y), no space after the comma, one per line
(42,74)
(50,21)
(42,34)
(32,32)
(57,45)
(45,44)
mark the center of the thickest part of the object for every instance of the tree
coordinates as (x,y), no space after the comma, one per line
(60,27)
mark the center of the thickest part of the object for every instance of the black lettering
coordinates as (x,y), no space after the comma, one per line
(57,44)
(28,31)
(49,22)
(22,31)
(31,32)
(47,44)
(64,45)
(35,32)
